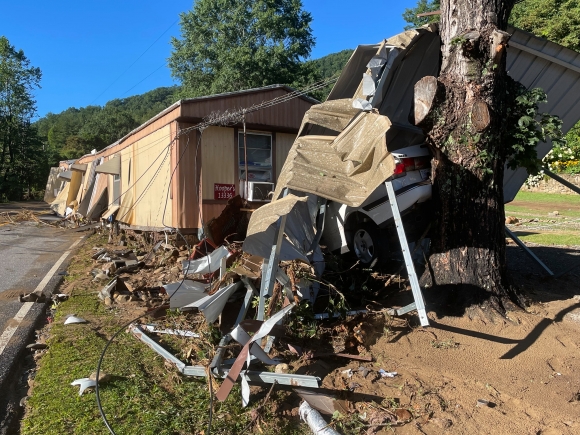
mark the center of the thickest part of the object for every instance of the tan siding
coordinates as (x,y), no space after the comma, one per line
(186,180)
(218,159)
(145,131)
(151,200)
(284,142)
(126,212)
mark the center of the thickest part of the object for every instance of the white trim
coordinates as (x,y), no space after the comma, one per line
(23,311)
(544,56)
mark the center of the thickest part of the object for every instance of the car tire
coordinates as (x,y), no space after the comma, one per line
(368,244)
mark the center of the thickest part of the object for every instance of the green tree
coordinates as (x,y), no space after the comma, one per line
(555,20)
(107,126)
(423,6)
(21,154)
(229,45)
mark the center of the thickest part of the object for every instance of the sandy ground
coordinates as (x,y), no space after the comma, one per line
(527,367)
(529,371)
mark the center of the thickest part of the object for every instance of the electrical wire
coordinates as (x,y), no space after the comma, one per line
(110,341)
(130,66)
(133,87)
(200,127)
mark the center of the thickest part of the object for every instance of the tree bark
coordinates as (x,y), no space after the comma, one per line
(465,128)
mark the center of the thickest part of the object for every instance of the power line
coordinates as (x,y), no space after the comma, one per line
(127,91)
(140,56)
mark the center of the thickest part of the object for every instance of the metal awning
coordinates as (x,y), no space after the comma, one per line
(78,167)
(112,209)
(111,166)
(539,63)
(65,175)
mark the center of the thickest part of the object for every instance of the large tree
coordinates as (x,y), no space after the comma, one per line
(21,154)
(475,118)
(229,45)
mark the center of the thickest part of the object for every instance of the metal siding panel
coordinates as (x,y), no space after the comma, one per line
(126,212)
(217,153)
(284,142)
(150,200)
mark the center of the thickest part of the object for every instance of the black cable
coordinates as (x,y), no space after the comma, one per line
(134,62)
(121,329)
(200,127)
(146,187)
(110,341)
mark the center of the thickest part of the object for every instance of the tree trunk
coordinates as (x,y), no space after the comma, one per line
(464,126)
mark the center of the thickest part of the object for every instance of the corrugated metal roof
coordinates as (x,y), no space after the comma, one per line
(539,63)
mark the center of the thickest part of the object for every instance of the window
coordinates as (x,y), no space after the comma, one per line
(259,152)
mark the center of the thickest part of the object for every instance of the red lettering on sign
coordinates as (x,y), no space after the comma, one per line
(224,191)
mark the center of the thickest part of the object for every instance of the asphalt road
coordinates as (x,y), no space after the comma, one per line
(32,257)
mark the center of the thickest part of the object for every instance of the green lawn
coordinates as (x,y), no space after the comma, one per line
(144,396)
(538,225)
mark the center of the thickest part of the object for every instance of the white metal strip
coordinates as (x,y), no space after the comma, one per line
(23,311)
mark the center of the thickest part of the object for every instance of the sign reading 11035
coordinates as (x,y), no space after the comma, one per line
(224,191)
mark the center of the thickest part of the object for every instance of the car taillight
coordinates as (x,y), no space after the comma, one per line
(399,170)
(422,163)
(409,164)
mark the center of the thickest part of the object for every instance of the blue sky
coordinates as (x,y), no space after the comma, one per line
(85,48)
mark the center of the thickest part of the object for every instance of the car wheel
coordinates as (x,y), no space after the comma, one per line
(367,243)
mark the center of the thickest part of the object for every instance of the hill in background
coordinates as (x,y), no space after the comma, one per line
(75,132)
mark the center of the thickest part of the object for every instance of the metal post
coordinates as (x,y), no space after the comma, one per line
(217,360)
(560,180)
(417,295)
(528,251)
(246,159)
(270,267)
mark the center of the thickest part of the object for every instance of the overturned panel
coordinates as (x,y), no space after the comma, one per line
(52,185)
(99,198)
(111,166)
(65,175)
(346,169)
(60,202)
(328,118)
(299,228)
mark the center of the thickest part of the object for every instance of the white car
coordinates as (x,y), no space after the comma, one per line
(364,230)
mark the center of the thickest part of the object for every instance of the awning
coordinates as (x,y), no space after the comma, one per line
(78,167)
(65,175)
(112,209)
(111,166)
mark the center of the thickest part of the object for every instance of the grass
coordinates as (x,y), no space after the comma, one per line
(538,226)
(561,238)
(548,198)
(142,397)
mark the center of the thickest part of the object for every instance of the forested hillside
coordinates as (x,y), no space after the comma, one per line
(75,132)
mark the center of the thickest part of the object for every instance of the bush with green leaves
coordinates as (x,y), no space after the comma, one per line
(530,127)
